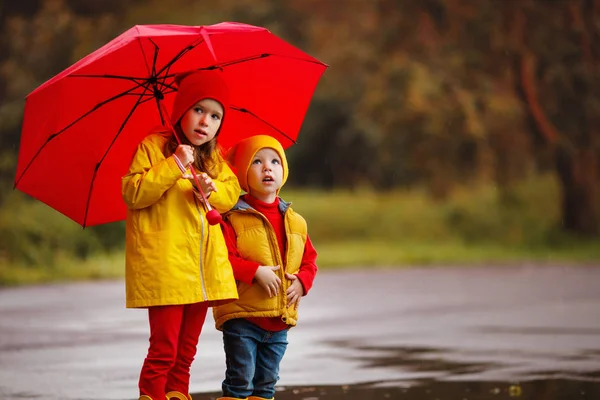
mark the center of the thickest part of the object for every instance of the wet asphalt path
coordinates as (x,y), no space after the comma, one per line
(77,341)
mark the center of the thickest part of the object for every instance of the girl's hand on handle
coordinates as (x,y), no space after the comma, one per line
(185,153)
(295,291)
(267,279)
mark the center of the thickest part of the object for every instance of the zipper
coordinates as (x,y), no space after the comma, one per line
(279,255)
(204,295)
(285,249)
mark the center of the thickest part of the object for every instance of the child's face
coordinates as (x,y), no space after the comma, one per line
(265,175)
(201,122)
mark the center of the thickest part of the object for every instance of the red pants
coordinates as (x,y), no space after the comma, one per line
(174,334)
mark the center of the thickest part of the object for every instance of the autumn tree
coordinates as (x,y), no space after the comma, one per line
(559,82)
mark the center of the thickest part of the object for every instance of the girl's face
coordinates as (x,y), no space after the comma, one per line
(201,122)
(265,175)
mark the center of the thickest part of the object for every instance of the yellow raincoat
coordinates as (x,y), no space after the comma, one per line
(173,256)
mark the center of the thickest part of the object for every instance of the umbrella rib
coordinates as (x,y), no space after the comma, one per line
(159,80)
(242,60)
(304,60)
(168,85)
(244,110)
(226,64)
(264,55)
(162,82)
(183,51)
(147,98)
(140,94)
(135,106)
(156,49)
(144,53)
(250,58)
(108,76)
(96,107)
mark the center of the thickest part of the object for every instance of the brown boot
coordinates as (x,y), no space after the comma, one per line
(230,398)
(178,396)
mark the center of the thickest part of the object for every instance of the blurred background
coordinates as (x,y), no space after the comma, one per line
(444,132)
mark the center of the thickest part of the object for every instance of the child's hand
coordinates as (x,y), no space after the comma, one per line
(206,183)
(295,291)
(267,279)
(185,153)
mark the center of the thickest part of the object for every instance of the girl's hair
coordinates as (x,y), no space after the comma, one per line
(205,156)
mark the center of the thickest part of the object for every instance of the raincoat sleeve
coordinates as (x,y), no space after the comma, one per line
(150,175)
(228,189)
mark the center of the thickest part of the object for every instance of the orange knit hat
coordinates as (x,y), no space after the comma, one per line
(240,156)
(194,86)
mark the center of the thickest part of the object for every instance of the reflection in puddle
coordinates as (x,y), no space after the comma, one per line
(414,359)
(442,363)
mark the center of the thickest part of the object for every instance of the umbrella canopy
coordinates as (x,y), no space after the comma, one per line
(81,127)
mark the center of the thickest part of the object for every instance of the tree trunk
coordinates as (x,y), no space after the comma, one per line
(578,174)
(576,166)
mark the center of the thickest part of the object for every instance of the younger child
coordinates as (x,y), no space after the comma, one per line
(273,261)
(176,263)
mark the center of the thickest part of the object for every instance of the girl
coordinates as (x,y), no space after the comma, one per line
(176,263)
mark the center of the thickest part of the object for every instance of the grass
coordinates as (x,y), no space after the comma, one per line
(476,225)
(99,266)
(380,253)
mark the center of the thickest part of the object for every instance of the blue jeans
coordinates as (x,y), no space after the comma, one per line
(252,356)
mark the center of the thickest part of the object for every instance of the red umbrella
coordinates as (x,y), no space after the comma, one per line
(81,128)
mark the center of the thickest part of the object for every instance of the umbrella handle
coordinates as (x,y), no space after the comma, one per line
(212,215)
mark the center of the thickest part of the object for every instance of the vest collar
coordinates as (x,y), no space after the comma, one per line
(241,205)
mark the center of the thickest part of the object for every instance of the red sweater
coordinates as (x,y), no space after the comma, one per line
(244,270)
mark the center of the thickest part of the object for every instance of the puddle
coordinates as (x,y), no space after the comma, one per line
(435,390)
(438,380)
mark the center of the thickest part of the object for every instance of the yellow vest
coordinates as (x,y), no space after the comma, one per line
(173,256)
(256,241)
